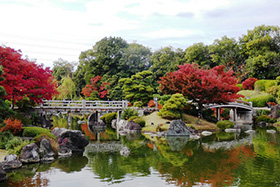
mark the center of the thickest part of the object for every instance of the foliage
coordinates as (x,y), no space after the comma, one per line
(138,87)
(200,85)
(107,118)
(239,86)
(265,118)
(173,108)
(225,124)
(198,53)
(263,112)
(260,47)
(44,135)
(24,78)
(249,83)
(33,131)
(62,68)
(96,90)
(12,125)
(5,136)
(15,145)
(138,104)
(127,113)
(274,91)
(151,103)
(138,120)
(67,89)
(263,85)
(259,99)
(222,136)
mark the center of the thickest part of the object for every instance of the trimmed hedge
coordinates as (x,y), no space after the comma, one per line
(34,131)
(107,118)
(263,85)
(225,124)
(259,99)
(266,119)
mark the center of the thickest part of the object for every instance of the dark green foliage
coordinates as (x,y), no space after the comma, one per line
(15,145)
(225,124)
(173,108)
(33,131)
(138,120)
(62,68)
(5,136)
(263,112)
(265,118)
(107,118)
(208,115)
(127,113)
(138,87)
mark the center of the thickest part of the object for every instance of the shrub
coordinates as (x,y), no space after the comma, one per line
(249,83)
(107,118)
(259,99)
(33,131)
(265,118)
(273,90)
(45,135)
(12,125)
(15,145)
(225,124)
(263,112)
(173,108)
(151,103)
(4,138)
(138,104)
(138,120)
(127,113)
(263,85)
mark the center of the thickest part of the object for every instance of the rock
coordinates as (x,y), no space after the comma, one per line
(125,151)
(177,143)
(132,126)
(77,140)
(161,134)
(206,133)
(11,162)
(274,111)
(250,131)
(147,112)
(3,175)
(232,130)
(30,154)
(81,122)
(178,128)
(63,151)
(46,151)
(121,124)
(262,124)
(194,137)
(98,126)
(271,131)
(114,124)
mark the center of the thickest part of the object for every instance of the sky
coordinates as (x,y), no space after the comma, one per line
(46,30)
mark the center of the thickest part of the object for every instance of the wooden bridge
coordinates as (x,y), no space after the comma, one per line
(52,106)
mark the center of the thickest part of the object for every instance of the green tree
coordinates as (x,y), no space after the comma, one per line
(173,107)
(67,89)
(198,53)
(138,87)
(62,68)
(261,48)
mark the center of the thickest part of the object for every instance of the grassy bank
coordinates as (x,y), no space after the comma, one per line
(188,119)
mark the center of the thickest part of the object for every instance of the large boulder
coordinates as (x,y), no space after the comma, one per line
(30,154)
(178,128)
(274,111)
(76,139)
(63,151)
(131,127)
(3,175)
(11,162)
(46,151)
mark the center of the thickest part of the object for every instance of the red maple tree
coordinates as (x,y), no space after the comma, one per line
(201,85)
(249,84)
(96,88)
(24,78)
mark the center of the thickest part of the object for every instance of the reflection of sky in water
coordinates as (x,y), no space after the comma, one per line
(86,178)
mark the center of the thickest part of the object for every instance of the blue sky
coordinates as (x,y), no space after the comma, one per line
(46,30)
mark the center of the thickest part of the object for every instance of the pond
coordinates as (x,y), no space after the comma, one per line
(222,159)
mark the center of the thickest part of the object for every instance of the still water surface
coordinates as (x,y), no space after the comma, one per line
(219,160)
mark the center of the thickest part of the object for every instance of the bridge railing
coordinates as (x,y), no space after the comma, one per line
(82,104)
(250,104)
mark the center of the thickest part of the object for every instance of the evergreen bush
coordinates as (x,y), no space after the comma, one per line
(127,113)
(4,138)
(263,85)
(107,118)
(265,118)
(15,145)
(34,131)
(138,104)
(138,120)
(225,124)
